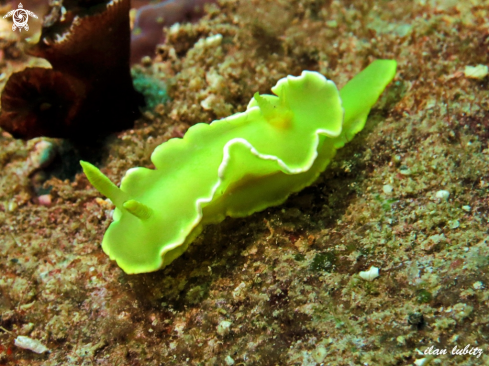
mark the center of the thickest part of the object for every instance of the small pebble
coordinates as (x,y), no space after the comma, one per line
(319,354)
(146,61)
(229,360)
(478,285)
(404,170)
(478,72)
(422,361)
(31,344)
(45,200)
(453,224)
(370,275)
(443,195)
(387,188)
(223,327)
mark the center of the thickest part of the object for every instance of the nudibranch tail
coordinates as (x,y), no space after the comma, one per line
(138,209)
(361,93)
(277,115)
(103,184)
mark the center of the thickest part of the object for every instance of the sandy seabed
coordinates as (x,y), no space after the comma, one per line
(280,287)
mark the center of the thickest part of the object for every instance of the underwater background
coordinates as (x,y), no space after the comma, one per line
(292,284)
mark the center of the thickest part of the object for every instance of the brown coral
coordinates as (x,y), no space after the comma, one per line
(89,91)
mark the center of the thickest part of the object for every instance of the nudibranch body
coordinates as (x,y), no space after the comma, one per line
(235,166)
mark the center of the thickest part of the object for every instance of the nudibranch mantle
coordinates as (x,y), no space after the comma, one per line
(235,166)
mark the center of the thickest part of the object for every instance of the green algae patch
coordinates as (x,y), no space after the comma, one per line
(323,262)
(153,90)
(235,166)
(423,296)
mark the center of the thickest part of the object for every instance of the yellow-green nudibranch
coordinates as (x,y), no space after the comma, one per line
(235,166)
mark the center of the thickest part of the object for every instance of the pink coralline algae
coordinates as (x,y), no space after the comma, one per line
(151,19)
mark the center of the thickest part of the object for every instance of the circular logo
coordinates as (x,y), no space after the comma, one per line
(20,17)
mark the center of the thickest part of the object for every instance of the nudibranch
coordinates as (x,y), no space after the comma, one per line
(88,92)
(235,166)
